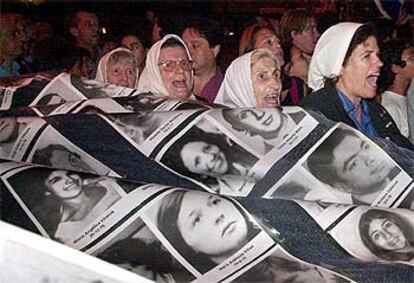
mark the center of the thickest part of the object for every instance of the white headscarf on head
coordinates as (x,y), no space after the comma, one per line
(102,70)
(151,79)
(236,90)
(329,54)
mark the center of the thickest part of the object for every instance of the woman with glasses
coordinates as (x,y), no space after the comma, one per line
(168,69)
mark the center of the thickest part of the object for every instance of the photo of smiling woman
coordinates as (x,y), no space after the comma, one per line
(185,217)
(387,235)
(212,159)
(64,202)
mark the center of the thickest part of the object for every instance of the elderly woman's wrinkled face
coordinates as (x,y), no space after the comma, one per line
(122,73)
(267,39)
(204,214)
(359,76)
(387,235)
(203,158)
(266,82)
(176,71)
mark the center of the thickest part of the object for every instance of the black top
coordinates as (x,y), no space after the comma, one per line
(327,101)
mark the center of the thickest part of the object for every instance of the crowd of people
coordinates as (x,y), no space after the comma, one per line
(357,73)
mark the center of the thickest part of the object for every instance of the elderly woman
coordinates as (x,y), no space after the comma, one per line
(118,67)
(387,235)
(168,69)
(343,73)
(252,80)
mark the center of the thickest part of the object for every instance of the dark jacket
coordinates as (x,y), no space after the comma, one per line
(327,101)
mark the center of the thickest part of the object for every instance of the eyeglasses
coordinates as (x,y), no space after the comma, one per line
(170,65)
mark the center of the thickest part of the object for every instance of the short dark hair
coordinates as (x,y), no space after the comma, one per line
(391,52)
(361,34)
(167,218)
(294,20)
(320,161)
(43,156)
(72,20)
(207,28)
(372,214)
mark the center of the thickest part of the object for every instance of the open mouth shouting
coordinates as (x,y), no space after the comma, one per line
(372,80)
(272,98)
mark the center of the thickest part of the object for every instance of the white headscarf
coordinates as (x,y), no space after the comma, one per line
(329,54)
(151,79)
(236,90)
(102,70)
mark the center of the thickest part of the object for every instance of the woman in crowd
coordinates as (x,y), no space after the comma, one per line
(118,67)
(259,36)
(387,235)
(184,216)
(343,73)
(252,80)
(299,35)
(168,69)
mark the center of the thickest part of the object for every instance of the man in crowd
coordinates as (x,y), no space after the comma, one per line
(132,42)
(84,27)
(203,38)
(395,77)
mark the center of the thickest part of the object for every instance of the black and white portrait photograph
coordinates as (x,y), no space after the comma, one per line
(56,92)
(143,101)
(205,154)
(10,128)
(262,128)
(283,268)
(137,126)
(96,89)
(64,202)
(185,217)
(374,233)
(353,165)
(52,149)
(138,250)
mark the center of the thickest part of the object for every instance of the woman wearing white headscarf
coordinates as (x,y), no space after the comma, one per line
(118,67)
(251,80)
(168,69)
(343,73)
